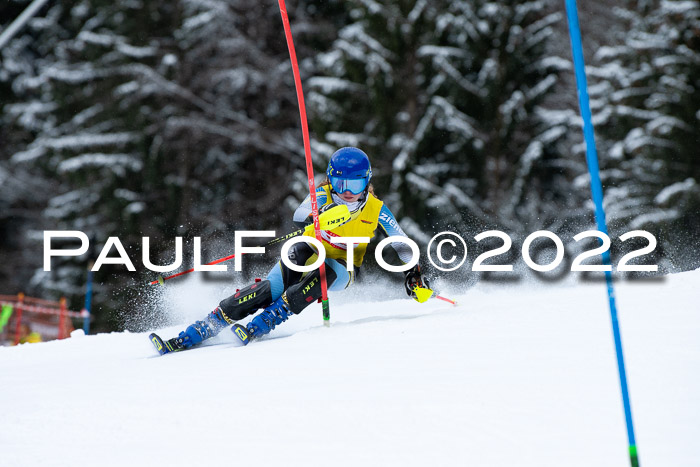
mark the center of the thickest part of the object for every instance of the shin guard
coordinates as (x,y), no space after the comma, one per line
(246,301)
(307,291)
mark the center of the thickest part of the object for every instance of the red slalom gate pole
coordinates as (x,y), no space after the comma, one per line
(307,153)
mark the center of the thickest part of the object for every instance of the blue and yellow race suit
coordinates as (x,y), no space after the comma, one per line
(366,215)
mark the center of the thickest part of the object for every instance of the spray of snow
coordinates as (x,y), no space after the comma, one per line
(389,383)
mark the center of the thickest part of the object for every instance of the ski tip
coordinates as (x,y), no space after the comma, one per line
(241,333)
(158,343)
(162,347)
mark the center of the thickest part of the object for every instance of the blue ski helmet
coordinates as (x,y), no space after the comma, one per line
(349,170)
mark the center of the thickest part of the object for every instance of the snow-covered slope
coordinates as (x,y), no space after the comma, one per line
(519,376)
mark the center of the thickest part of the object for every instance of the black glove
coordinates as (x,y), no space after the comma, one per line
(310,218)
(326,208)
(413,278)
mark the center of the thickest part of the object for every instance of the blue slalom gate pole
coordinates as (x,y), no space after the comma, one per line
(88,301)
(597,193)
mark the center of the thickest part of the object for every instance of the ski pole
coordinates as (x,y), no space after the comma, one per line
(332,218)
(422,294)
(162,279)
(445,299)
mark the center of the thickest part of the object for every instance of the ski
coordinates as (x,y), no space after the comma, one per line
(164,347)
(241,333)
(175,345)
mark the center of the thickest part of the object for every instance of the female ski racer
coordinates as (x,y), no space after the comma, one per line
(286,292)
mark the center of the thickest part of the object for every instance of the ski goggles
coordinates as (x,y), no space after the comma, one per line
(353,185)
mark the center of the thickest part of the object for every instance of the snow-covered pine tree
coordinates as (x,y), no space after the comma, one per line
(646,102)
(24,191)
(159,119)
(445,95)
(79,134)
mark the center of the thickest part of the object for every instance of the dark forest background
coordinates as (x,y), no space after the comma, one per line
(179,118)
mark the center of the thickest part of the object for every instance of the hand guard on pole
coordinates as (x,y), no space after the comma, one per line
(417,286)
(330,216)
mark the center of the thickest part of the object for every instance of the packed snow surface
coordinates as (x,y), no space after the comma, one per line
(518,375)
